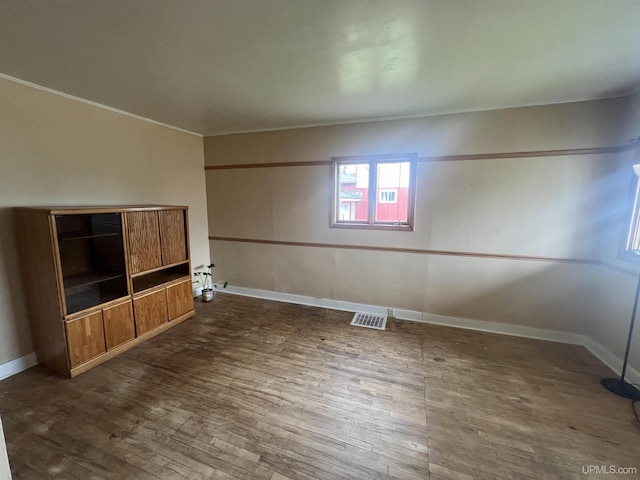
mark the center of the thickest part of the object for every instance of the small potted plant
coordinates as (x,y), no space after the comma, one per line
(208,285)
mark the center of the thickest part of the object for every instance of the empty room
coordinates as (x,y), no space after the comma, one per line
(305,239)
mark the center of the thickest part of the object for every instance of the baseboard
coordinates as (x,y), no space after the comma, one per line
(305,300)
(601,353)
(611,361)
(490,327)
(17,365)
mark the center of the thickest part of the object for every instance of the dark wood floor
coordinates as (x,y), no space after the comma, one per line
(253,389)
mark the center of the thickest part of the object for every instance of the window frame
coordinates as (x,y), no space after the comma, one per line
(631,235)
(373,161)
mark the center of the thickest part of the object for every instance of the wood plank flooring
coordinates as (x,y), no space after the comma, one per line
(254,389)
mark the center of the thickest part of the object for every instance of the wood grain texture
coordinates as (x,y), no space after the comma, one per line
(150,311)
(172,236)
(35,243)
(118,324)
(144,241)
(255,389)
(85,338)
(67,210)
(180,299)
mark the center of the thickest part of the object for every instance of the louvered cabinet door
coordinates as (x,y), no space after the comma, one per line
(172,236)
(144,241)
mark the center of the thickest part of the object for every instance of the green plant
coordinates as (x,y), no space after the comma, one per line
(205,279)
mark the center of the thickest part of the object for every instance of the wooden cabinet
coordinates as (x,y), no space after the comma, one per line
(107,278)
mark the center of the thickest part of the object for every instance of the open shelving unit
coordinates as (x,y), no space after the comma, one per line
(142,282)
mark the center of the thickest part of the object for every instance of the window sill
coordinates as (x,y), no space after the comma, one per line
(373,226)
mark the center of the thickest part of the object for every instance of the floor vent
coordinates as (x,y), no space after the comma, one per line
(369,320)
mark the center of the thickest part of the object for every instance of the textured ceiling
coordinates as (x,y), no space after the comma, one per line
(216,66)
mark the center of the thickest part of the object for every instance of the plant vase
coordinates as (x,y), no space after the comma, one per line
(208,294)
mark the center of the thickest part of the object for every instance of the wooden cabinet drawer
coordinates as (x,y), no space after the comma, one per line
(180,299)
(118,324)
(150,311)
(85,338)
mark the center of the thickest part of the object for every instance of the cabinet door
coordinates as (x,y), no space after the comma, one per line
(180,299)
(118,324)
(85,338)
(172,236)
(144,241)
(150,311)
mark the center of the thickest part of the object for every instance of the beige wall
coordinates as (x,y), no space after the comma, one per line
(56,151)
(543,206)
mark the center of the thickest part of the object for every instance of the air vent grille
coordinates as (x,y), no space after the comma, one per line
(369,320)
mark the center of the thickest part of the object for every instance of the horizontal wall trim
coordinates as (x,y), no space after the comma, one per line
(597,350)
(579,261)
(451,158)
(17,365)
(532,153)
(269,165)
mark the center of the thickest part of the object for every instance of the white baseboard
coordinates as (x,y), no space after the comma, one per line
(611,361)
(304,300)
(491,327)
(17,365)
(601,353)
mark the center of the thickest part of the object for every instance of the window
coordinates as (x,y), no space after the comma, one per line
(375,191)
(631,250)
(388,196)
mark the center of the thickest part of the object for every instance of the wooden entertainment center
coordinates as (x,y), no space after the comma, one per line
(100,280)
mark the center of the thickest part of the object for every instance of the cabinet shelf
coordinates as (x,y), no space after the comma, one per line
(90,278)
(160,277)
(159,269)
(85,235)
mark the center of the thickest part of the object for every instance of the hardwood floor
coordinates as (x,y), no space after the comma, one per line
(254,389)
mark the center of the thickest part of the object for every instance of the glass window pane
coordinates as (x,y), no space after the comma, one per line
(353,192)
(392,195)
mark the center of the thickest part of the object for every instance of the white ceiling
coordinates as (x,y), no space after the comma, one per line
(216,66)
